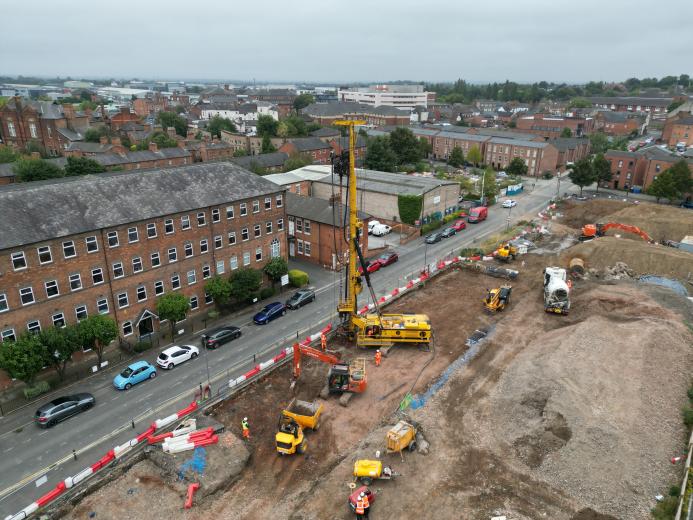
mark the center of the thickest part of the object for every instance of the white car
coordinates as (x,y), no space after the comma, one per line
(510,203)
(380,230)
(176,355)
(371,225)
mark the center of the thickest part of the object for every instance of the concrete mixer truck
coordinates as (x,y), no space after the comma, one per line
(556,290)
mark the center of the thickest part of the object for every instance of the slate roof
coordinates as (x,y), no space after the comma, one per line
(36,211)
(621,153)
(349,107)
(305,144)
(626,100)
(465,136)
(619,117)
(88,147)
(47,109)
(265,160)
(567,143)
(687,120)
(518,142)
(392,183)
(315,210)
(344,142)
(325,132)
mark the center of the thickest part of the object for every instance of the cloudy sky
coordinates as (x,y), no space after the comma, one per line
(359,40)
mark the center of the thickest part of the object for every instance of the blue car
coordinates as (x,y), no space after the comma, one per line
(133,374)
(269,313)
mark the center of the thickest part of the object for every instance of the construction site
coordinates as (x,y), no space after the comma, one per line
(507,406)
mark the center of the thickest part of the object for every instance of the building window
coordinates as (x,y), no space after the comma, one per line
(192,277)
(156,259)
(244,209)
(18,261)
(218,242)
(3,303)
(26,295)
(137,265)
(201,218)
(229,212)
(258,254)
(279,201)
(141,293)
(172,255)
(193,303)
(151,230)
(127,328)
(204,246)
(232,238)
(118,271)
(233,262)
(11,129)
(81,312)
(306,227)
(34,326)
(112,239)
(123,300)
(244,234)
(185,222)
(246,258)
(256,206)
(299,225)
(52,289)
(268,227)
(208,299)
(215,215)
(102,306)
(97,276)
(158,288)
(268,203)
(658,168)
(92,244)
(8,334)
(257,231)
(306,248)
(75,282)
(188,247)
(133,235)
(32,130)
(280,224)
(44,254)
(220,267)
(58,320)
(168,226)
(299,246)
(206,272)
(274,248)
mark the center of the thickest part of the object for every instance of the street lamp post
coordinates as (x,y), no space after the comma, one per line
(558,185)
(510,209)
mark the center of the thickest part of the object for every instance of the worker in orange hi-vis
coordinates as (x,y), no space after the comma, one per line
(378,357)
(246,428)
(323,342)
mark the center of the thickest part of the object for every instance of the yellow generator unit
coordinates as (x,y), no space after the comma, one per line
(389,329)
(402,435)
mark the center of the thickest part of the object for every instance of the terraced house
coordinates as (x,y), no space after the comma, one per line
(113,243)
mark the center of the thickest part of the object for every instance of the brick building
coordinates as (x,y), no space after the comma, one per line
(313,224)
(621,123)
(283,99)
(656,106)
(341,144)
(539,157)
(112,243)
(678,129)
(550,127)
(124,117)
(265,162)
(327,113)
(570,150)
(641,168)
(444,143)
(318,150)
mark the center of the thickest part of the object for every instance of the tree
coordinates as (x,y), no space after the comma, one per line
(219,289)
(599,143)
(172,307)
(93,135)
(28,170)
(96,333)
(566,132)
(240,153)
(405,145)
(276,268)
(162,140)
(171,119)
(582,174)
(244,283)
(456,157)
(7,154)
(22,359)
(517,167)
(296,161)
(180,109)
(267,126)
(490,186)
(579,102)
(88,104)
(302,101)
(674,105)
(602,169)
(267,146)
(425,147)
(681,176)
(82,166)
(59,344)
(217,124)
(663,187)
(379,155)
(474,155)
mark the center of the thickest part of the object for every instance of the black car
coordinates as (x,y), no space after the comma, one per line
(300,298)
(433,238)
(448,232)
(219,336)
(61,408)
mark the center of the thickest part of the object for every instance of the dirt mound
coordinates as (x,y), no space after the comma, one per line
(576,214)
(591,514)
(641,257)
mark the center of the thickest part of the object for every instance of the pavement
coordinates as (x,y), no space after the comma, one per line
(34,460)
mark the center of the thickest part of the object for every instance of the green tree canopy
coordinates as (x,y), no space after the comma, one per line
(456,157)
(579,102)
(28,170)
(517,167)
(302,101)
(267,126)
(267,146)
(162,140)
(217,124)
(490,187)
(172,307)
(96,333)
(180,109)
(663,187)
(219,289)
(474,156)
(379,155)
(244,283)
(240,153)
(681,175)
(405,145)
(82,166)
(7,154)
(276,268)
(296,161)
(566,132)
(93,135)
(59,345)
(599,143)
(602,169)
(409,207)
(23,359)
(582,173)
(171,119)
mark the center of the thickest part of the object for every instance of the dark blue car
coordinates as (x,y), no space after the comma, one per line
(269,313)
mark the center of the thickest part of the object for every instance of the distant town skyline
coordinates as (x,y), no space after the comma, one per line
(523,41)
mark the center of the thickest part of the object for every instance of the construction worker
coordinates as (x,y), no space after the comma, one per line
(323,342)
(246,429)
(378,357)
(362,506)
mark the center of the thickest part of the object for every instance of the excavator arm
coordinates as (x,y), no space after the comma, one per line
(624,227)
(302,350)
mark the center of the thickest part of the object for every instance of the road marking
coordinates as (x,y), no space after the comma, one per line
(9,449)
(114,397)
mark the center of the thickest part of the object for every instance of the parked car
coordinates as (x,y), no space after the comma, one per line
(371,267)
(433,238)
(388,258)
(510,203)
(300,298)
(63,407)
(380,230)
(448,232)
(176,355)
(270,312)
(459,225)
(371,225)
(216,337)
(477,214)
(133,374)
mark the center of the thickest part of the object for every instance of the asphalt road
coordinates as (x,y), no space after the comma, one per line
(34,460)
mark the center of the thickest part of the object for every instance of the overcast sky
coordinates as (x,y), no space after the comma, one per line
(358,40)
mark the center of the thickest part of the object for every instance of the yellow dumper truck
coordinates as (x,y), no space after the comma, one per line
(297,416)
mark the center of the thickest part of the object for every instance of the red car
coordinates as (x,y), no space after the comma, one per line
(371,267)
(355,495)
(459,225)
(387,259)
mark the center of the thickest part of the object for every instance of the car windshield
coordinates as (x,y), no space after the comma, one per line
(163,356)
(267,308)
(127,372)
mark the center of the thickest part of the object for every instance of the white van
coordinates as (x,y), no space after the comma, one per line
(380,230)
(371,225)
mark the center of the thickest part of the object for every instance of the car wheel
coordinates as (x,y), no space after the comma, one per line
(193,355)
(168,367)
(283,312)
(152,375)
(128,386)
(237,335)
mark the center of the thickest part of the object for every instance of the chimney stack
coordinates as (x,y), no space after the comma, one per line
(103,139)
(153,147)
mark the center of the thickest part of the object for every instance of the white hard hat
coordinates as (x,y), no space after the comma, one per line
(245,418)
(378,351)
(362,494)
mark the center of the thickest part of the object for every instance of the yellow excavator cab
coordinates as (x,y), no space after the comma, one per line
(496,299)
(506,252)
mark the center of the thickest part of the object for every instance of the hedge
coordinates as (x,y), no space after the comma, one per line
(298,278)
(431,226)
(266,292)
(39,388)
(409,208)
